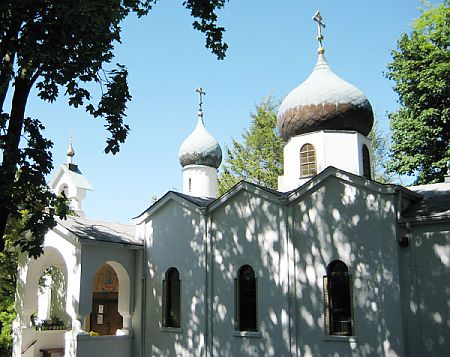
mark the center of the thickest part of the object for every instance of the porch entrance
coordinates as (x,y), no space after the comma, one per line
(105,318)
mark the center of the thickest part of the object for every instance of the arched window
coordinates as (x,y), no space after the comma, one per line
(366,162)
(337,286)
(64,189)
(246,299)
(308,166)
(171,299)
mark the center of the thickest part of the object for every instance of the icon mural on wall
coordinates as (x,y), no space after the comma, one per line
(105,280)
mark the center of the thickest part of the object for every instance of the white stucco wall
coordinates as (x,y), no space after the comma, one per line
(175,238)
(357,226)
(425,266)
(104,346)
(139,301)
(341,149)
(203,181)
(248,229)
(58,252)
(74,193)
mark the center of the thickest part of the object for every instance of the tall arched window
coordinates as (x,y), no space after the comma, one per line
(246,299)
(366,162)
(308,165)
(337,286)
(171,299)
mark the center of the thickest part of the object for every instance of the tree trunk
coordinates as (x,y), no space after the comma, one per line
(11,153)
(8,46)
(6,71)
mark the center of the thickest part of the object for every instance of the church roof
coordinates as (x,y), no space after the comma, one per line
(199,201)
(324,101)
(101,231)
(211,203)
(434,205)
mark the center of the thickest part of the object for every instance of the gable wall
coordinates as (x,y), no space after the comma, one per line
(249,230)
(355,225)
(425,264)
(174,238)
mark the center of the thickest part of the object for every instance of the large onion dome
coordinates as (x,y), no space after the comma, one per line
(200,148)
(324,101)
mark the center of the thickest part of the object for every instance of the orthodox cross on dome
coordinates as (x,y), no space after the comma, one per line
(201,93)
(318,18)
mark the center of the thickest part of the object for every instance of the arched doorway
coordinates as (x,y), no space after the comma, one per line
(51,306)
(105,318)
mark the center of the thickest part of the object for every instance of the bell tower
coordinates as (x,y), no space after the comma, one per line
(69,180)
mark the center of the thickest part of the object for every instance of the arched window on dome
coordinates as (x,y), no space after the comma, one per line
(367,172)
(337,287)
(171,299)
(308,164)
(246,299)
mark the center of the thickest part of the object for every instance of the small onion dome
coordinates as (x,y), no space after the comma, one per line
(324,101)
(70,151)
(200,148)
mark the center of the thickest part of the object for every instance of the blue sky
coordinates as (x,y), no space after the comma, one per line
(272,49)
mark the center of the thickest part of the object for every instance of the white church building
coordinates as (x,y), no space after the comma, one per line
(330,264)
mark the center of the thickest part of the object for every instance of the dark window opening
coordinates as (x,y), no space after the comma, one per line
(338,300)
(308,165)
(246,286)
(64,190)
(171,299)
(366,162)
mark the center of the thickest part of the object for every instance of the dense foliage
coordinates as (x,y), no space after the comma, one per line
(8,268)
(421,71)
(380,154)
(61,47)
(259,158)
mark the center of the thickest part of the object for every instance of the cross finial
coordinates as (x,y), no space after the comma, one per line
(318,18)
(201,93)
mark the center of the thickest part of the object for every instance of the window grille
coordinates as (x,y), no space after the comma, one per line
(338,300)
(246,300)
(308,165)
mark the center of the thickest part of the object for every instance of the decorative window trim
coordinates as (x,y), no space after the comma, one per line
(171,329)
(334,338)
(249,334)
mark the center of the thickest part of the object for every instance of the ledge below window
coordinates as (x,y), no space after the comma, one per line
(251,334)
(171,329)
(334,338)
